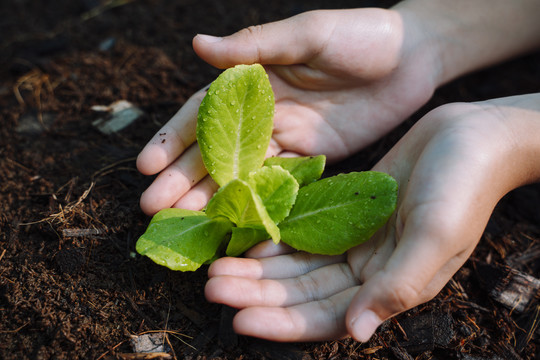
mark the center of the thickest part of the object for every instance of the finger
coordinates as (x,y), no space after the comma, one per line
(315,285)
(172,139)
(313,321)
(277,267)
(173,182)
(274,149)
(268,249)
(290,41)
(198,196)
(288,154)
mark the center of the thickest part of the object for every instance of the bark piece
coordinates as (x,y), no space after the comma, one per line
(512,288)
(427,331)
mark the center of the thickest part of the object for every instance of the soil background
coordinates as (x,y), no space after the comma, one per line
(71,285)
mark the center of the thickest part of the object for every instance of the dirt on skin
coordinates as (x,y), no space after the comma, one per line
(71,284)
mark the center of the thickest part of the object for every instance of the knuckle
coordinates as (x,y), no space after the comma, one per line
(403,296)
(303,261)
(253,30)
(253,35)
(347,273)
(330,308)
(308,286)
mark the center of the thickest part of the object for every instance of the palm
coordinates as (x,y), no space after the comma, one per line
(339,120)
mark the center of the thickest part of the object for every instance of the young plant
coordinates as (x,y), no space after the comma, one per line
(278,198)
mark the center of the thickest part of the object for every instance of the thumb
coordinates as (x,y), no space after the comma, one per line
(290,41)
(381,297)
(426,257)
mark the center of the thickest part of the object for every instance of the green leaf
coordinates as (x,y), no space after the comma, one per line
(332,215)
(234,124)
(305,169)
(243,239)
(182,239)
(277,189)
(241,205)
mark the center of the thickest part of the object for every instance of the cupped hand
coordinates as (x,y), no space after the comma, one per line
(452,168)
(341,78)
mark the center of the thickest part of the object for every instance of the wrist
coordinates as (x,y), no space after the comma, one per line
(420,47)
(522,116)
(461,36)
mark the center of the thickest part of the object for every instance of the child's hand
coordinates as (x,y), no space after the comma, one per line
(453,167)
(342,79)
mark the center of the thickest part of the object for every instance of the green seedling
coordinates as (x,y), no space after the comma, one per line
(282,199)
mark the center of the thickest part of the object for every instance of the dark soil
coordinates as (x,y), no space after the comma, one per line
(71,285)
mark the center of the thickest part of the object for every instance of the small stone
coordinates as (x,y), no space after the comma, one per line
(120,114)
(107,44)
(150,343)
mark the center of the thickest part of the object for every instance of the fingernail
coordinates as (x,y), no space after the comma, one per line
(209,39)
(365,325)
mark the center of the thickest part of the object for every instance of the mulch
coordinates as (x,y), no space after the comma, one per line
(71,284)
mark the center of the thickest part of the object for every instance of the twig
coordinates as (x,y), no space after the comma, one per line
(98,10)
(372,350)
(104,170)
(63,210)
(14,331)
(145,356)
(165,336)
(534,325)
(111,349)
(400,329)
(69,208)
(19,165)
